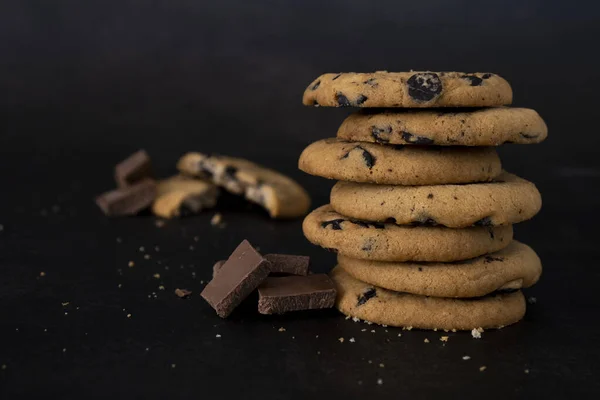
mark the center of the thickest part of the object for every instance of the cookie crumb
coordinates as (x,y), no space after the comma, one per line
(381,365)
(399,335)
(532,300)
(385,326)
(407,328)
(119,286)
(173,365)
(347,317)
(372,330)
(444,338)
(217,335)
(526,371)
(466,358)
(426,340)
(476,333)
(370,362)
(341,340)
(66,303)
(42,273)
(159,223)
(360,382)
(282,329)
(146,256)
(3,367)
(142,249)
(380,381)
(196,238)
(64,350)
(182,293)
(131,264)
(161,287)
(316,336)
(363,330)
(128,315)
(351,340)
(453,330)
(156,248)
(216,219)
(355,319)
(482,368)
(156,276)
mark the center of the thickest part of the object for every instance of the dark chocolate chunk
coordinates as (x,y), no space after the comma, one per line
(420,269)
(128,200)
(475,80)
(489,259)
(486,76)
(485,221)
(390,220)
(182,293)
(133,169)
(335,77)
(381,135)
(342,100)
(367,246)
(294,293)
(361,99)
(316,85)
(415,139)
(491,232)
(424,220)
(289,264)
(528,136)
(424,86)
(430,196)
(367,157)
(366,296)
(335,224)
(243,272)
(280,264)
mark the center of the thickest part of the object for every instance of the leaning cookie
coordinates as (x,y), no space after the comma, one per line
(382,306)
(514,267)
(281,196)
(399,165)
(179,195)
(477,127)
(508,199)
(408,89)
(391,242)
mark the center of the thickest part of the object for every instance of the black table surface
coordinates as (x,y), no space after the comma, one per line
(84,84)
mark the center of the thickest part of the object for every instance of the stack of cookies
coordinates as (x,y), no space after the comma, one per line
(422,215)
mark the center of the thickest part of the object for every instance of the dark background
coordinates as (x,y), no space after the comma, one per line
(85,83)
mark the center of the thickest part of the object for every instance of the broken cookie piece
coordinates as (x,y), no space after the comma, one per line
(180,195)
(128,200)
(133,169)
(239,276)
(278,295)
(281,196)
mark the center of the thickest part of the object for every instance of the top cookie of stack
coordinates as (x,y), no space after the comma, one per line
(424,190)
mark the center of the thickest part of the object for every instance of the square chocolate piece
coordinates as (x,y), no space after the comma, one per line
(239,276)
(280,263)
(128,200)
(133,169)
(278,295)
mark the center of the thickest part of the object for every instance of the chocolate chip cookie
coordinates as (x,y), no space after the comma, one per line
(399,165)
(476,127)
(390,242)
(508,199)
(382,306)
(179,196)
(414,89)
(514,267)
(281,196)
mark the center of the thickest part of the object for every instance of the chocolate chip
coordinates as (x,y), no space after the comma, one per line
(368,246)
(361,99)
(485,221)
(371,82)
(489,259)
(430,196)
(420,269)
(364,224)
(528,136)
(390,220)
(342,100)
(415,139)
(335,77)
(475,80)
(486,76)
(335,224)
(368,158)
(366,296)
(424,86)
(491,232)
(381,134)
(424,221)
(230,171)
(316,85)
